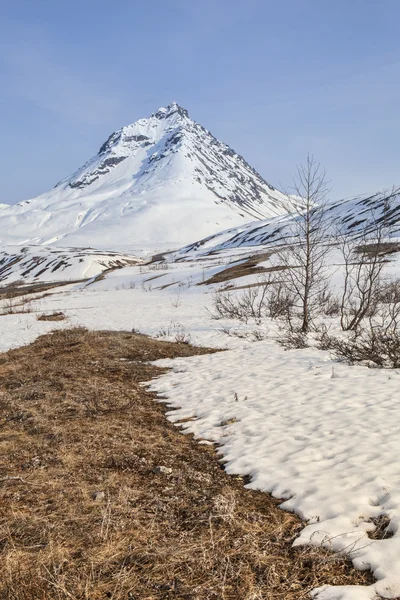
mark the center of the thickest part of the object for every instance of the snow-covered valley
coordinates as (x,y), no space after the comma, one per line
(319,434)
(146,237)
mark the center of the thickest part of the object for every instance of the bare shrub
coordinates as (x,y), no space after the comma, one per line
(176,331)
(293,340)
(268,298)
(329,303)
(364,259)
(388,317)
(369,346)
(146,288)
(181,337)
(177,301)
(255,335)
(280,301)
(9,305)
(258,335)
(158,266)
(241,306)
(13,304)
(225,306)
(322,337)
(377,340)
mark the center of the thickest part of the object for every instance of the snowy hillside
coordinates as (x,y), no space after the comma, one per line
(31,265)
(349,216)
(163,181)
(318,434)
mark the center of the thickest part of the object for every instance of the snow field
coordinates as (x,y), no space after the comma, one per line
(321,435)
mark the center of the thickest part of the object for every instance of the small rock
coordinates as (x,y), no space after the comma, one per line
(162,470)
(98,496)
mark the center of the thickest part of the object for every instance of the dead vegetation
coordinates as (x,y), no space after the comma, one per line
(242,268)
(54,316)
(19,288)
(268,299)
(86,512)
(11,304)
(382,529)
(14,302)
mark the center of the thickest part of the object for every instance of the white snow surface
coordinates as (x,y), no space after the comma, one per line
(351,216)
(322,436)
(42,264)
(161,182)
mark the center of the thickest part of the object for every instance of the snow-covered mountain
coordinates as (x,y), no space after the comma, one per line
(163,181)
(350,216)
(41,264)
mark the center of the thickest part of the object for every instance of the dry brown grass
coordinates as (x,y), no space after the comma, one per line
(16,289)
(75,421)
(54,316)
(241,268)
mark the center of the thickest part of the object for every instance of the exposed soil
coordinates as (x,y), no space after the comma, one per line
(20,289)
(250,266)
(85,514)
(384,249)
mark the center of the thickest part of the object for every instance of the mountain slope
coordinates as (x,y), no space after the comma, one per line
(347,216)
(164,180)
(38,264)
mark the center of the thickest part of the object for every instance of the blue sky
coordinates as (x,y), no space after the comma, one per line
(275,80)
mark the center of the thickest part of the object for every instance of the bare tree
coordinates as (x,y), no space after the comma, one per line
(304,259)
(364,258)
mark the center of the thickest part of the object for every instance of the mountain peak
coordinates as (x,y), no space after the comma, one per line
(126,135)
(167,111)
(164,178)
